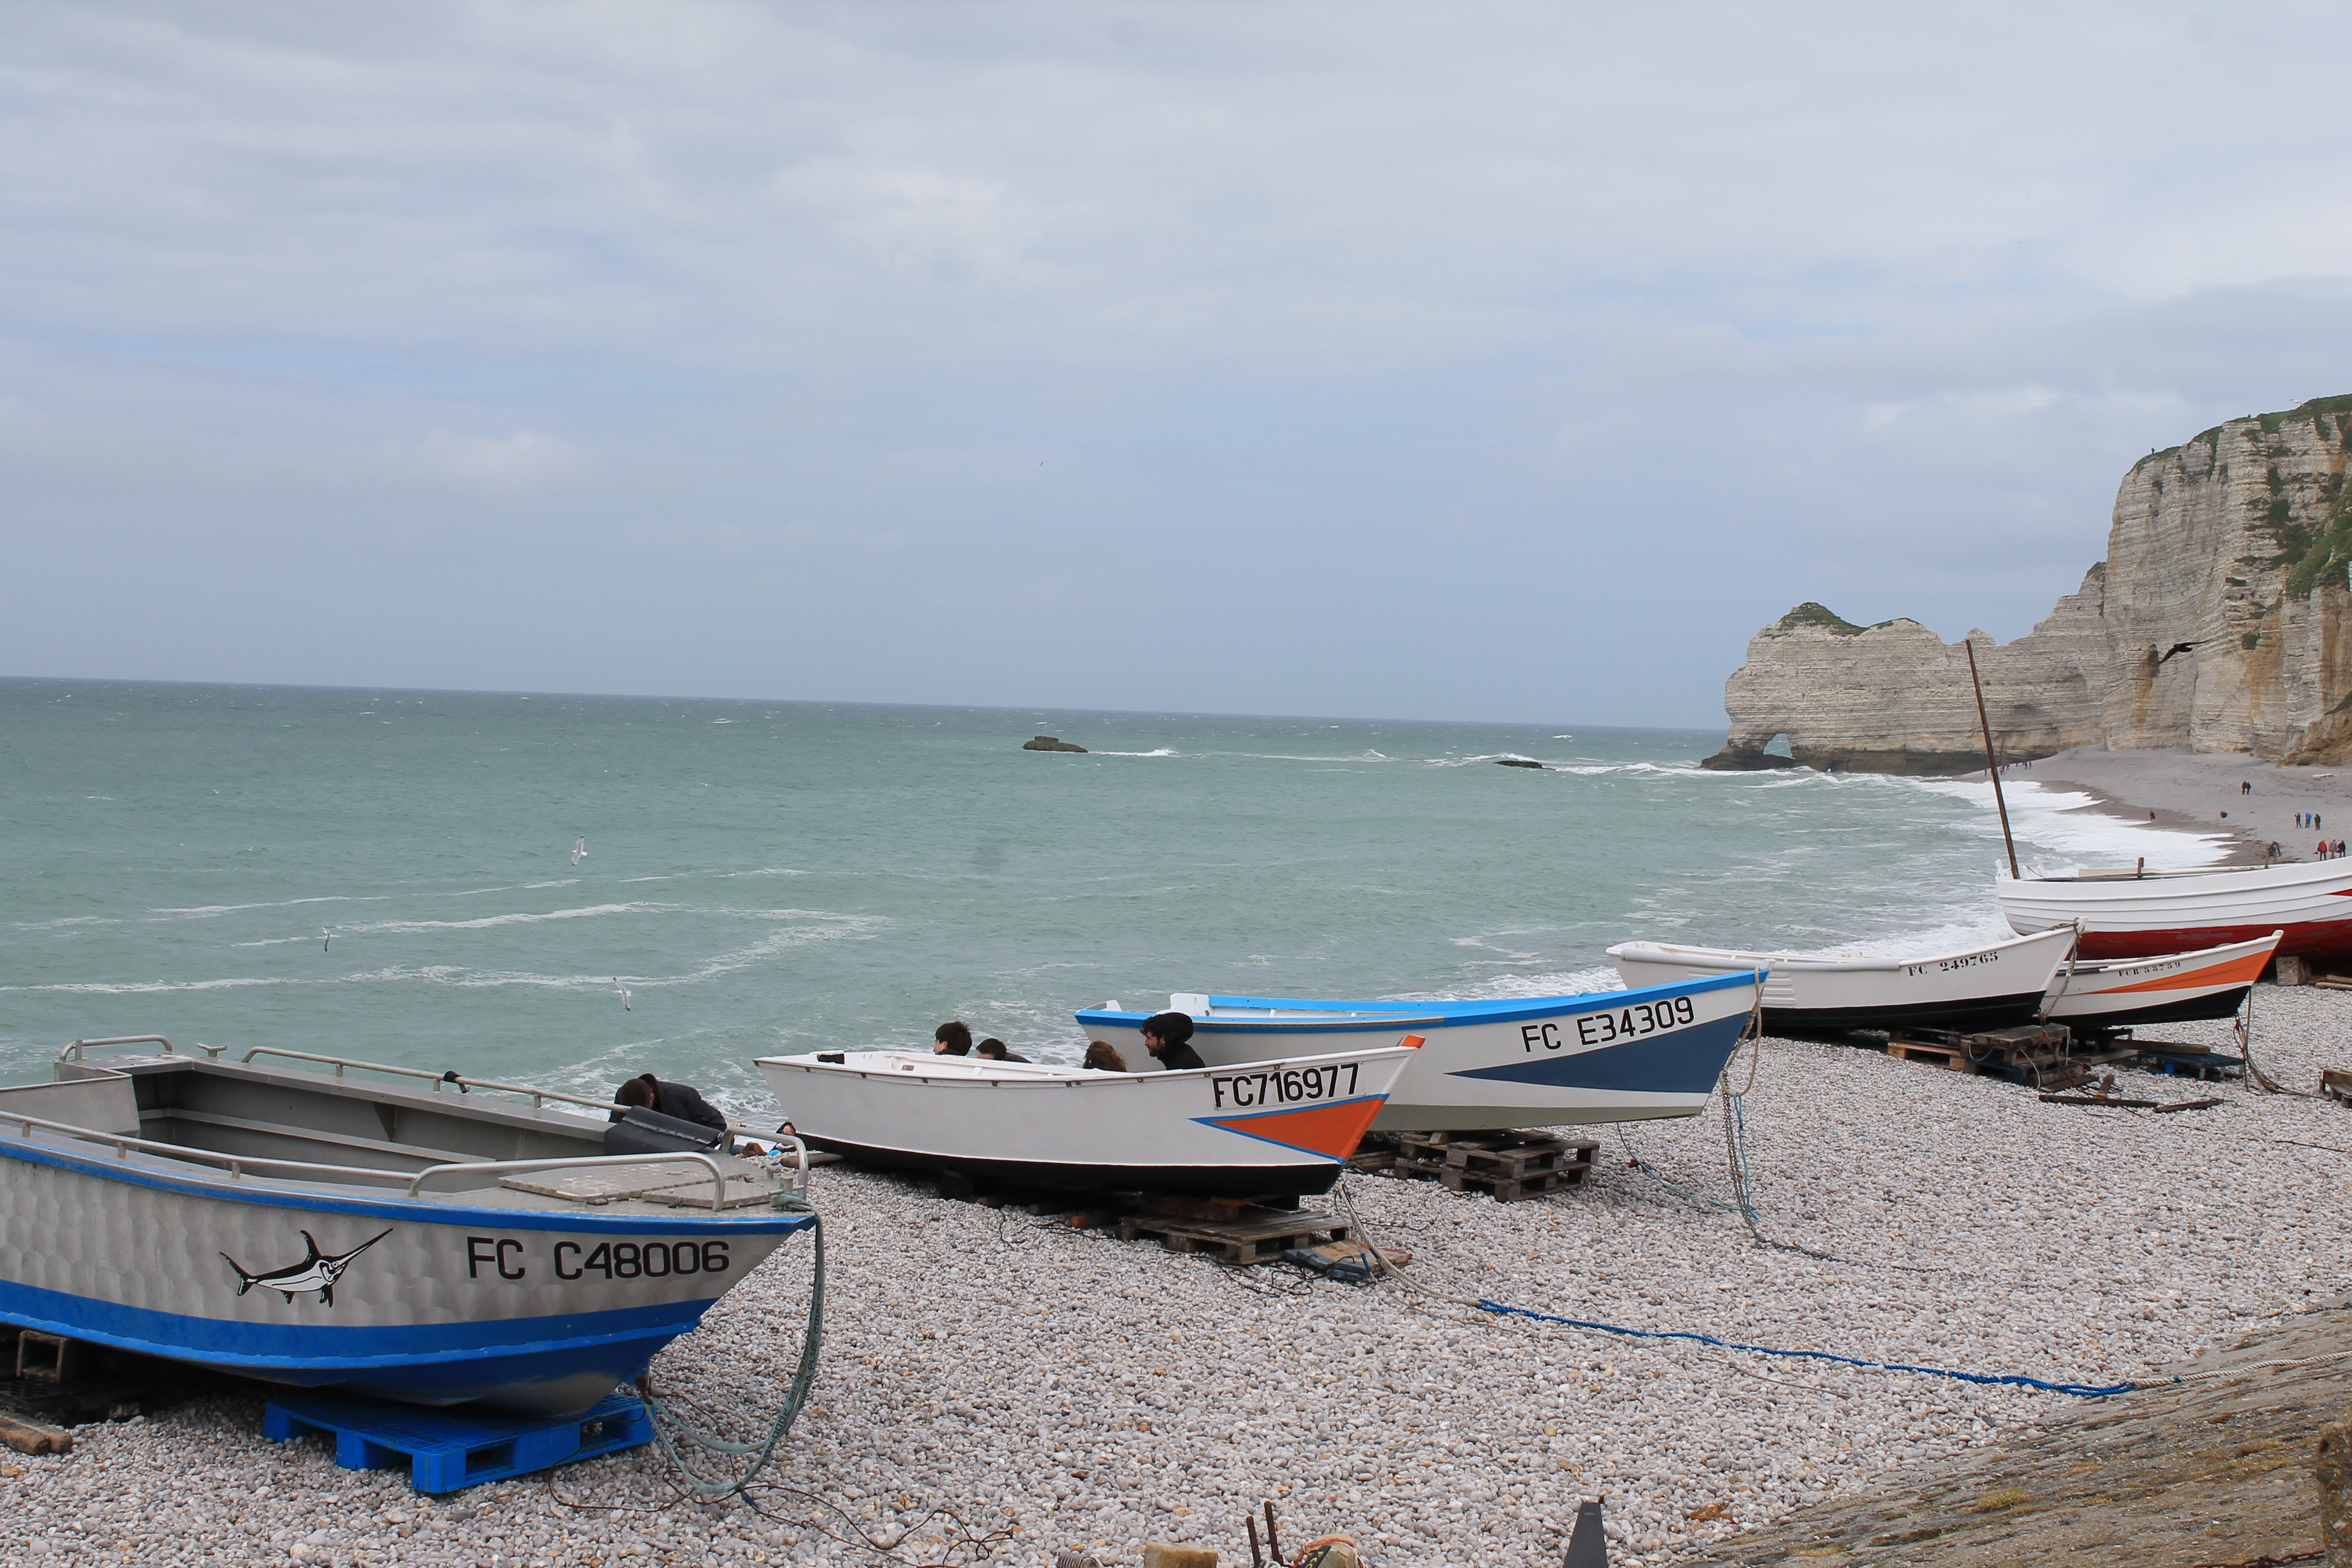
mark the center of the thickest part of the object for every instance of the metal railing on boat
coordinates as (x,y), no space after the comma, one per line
(238,1164)
(718,1176)
(74,1049)
(539,1097)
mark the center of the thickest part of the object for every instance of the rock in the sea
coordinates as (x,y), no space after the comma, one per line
(2219,621)
(1516,763)
(1049,743)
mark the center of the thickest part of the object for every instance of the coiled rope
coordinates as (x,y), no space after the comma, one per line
(796,1399)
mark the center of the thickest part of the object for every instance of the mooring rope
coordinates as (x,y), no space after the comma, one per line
(2244,1024)
(796,1399)
(1498,1308)
(2011,1380)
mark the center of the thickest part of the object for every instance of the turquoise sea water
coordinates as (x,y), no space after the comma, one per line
(765,876)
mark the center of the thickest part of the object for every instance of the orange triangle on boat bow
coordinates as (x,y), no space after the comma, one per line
(1331,1130)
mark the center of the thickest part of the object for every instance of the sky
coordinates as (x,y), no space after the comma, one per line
(1472,360)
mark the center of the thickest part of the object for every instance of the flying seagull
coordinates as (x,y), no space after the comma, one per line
(625,994)
(2178,647)
(579,851)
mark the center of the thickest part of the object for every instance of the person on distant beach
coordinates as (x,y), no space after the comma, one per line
(1103,1057)
(992,1049)
(2323,851)
(2245,788)
(953,1040)
(1167,1036)
(683,1101)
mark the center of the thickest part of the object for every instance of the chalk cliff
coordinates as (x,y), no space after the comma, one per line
(2220,621)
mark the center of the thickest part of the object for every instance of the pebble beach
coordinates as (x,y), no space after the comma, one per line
(1000,1387)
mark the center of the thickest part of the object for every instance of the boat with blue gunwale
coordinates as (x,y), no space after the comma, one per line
(319,1229)
(1642,1055)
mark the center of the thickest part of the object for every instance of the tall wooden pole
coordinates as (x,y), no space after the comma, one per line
(1992,762)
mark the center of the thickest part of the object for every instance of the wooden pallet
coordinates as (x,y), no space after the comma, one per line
(2191,1062)
(2337,1084)
(2036,1055)
(1509,1166)
(1262,1237)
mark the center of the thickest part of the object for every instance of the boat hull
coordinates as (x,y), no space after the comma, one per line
(1989,987)
(2310,906)
(1548,1061)
(1269,1126)
(2176,988)
(434,1302)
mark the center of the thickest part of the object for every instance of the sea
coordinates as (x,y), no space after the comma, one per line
(570,890)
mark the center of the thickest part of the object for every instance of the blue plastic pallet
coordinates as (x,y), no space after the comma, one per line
(448,1449)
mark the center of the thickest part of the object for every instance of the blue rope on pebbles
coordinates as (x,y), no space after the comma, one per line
(2009,1380)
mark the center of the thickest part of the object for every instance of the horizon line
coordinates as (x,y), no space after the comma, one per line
(821,702)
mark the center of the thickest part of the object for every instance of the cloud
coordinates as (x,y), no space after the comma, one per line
(1613,330)
(500,465)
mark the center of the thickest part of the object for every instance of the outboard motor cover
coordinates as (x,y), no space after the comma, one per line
(644,1132)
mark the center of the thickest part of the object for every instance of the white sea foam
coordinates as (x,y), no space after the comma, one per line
(514,887)
(2056,820)
(206,911)
(1162,752)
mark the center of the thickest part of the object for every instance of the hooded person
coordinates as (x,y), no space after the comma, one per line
(1168,1036)
(680,1101)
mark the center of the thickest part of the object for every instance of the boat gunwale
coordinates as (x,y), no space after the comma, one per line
(1452,1015)
(237,1189)
(1802,964)
(1055,1075)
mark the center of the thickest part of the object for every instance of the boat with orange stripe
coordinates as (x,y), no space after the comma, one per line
(2177,988)
(1247,1130)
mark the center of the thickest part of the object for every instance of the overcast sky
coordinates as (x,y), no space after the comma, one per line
(1445,360)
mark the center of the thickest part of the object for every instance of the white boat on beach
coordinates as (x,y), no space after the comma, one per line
(434,1248)
(1986,987)
(1249,1130)
(2137,913)
(1521,1061)
(2173,988)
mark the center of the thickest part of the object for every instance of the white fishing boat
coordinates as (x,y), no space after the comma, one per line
(2133,912)
(2175,988)
(440,1247)
(1524,1061)
(1989,987)
(1253,1129)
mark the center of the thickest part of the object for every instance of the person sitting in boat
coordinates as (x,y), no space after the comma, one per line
(1168,1035)
(993,1049)
(682,1101)
(952,1040)
(1103,1057)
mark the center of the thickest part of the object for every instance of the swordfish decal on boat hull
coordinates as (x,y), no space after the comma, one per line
(318,1271)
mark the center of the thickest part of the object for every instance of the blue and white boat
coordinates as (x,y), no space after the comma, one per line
(438,1245)
(1524,1061)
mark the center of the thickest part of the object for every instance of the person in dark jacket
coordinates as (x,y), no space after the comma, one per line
(680,1101)
(1167,1036)
(994,1051)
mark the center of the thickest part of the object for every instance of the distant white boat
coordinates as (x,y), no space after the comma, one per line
(2130,913)
(2175,988)
(1988,988)
(1252,1129)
